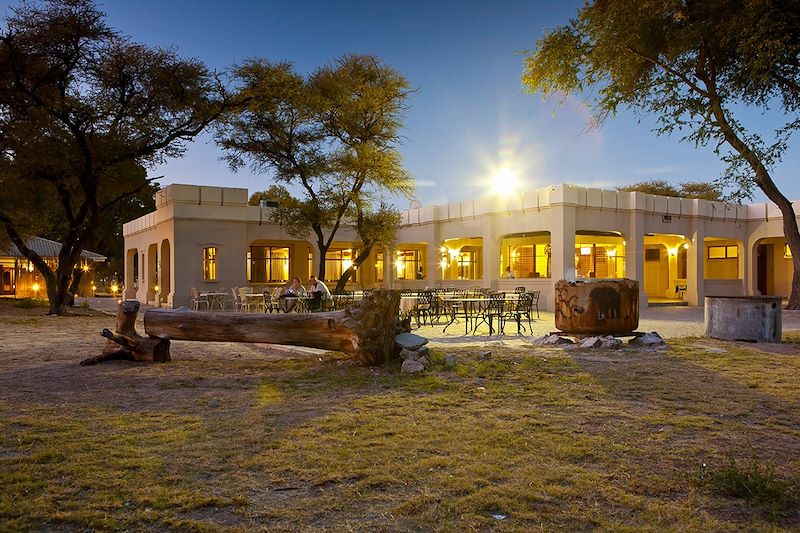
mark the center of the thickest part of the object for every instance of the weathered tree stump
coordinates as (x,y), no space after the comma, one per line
(366,329)
(126,343)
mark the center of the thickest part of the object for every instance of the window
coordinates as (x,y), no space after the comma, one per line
(723,252)
(337,261)
(652,254)
(268,264)
(600,260)
(409,264)
(210,263)
(469,263)
(379,267)
(530,261)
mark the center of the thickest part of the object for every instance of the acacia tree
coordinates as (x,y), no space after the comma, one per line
(83,110)
(689,189)
(689,64)
(329,139)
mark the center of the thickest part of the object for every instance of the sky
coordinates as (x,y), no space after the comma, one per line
(469,116)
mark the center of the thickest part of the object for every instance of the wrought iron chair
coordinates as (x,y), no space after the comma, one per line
(535,302)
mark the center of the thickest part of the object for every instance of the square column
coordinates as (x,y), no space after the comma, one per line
(562,243)
(695,264)
(634,254)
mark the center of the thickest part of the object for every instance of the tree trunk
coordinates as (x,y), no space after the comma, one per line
(73,286)
(362,256)
(126,343)
(365,329)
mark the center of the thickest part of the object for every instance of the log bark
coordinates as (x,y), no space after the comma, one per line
(126,343)
(366,329)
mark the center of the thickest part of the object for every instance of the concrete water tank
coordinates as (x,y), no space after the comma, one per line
(744,318)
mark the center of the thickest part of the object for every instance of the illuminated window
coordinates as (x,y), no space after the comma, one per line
(210,263)
(604,258)
(339,260)
(469,263)
(723,252)
(379,267)
(530,261)
(408,264)
(268,264)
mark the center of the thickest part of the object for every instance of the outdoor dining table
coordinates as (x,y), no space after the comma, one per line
(215,298)
(472,310)
(256,298)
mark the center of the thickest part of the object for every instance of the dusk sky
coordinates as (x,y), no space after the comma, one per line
(470,114)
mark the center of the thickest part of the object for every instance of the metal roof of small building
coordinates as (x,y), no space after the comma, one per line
(48,248)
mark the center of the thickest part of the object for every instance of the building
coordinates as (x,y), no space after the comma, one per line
(20,279)
(678,249)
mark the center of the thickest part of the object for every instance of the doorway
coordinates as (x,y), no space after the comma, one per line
(7,277)
(763,266)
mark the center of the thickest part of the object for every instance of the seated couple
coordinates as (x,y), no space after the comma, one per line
(288,300)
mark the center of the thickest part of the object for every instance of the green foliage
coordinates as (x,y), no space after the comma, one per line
(757,482)
(689,65)
(84,111)
(328,139)
(690,189)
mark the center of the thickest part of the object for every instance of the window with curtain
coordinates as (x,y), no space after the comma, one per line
(210,263)
(268,264)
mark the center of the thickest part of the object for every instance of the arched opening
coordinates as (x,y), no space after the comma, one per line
(773,267)
(152,272)
(525,255)
(165,281)
(665,267)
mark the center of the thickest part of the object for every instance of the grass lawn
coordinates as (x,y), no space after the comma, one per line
(704,436)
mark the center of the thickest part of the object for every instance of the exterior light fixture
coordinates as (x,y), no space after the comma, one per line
(114,288)
(157,288)
(35,288)
(686,246)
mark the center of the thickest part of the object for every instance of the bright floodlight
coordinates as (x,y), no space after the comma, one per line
(504,181)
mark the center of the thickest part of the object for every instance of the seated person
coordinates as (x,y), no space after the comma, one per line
(317,286)
(288,299)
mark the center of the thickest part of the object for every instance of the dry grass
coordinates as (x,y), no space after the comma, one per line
(234,437)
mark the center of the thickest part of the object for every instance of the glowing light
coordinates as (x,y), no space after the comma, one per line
(157,288)
(453,254)
(586,250)
(686,246)
(30,266)
(443,263)
(443,249)
(114,288)
(612,252)
(504,181)
(673,251)
(346,264)
(399,265)
(35,287)
(85,267)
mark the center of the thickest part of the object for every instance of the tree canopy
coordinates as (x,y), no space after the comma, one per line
(690,189)
(690,65)
(83,112)
(329,139)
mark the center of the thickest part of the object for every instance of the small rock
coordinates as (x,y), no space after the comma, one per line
(214,403)
(550,340)
(611,343)
(591,342)
(450,360)
(410,341)
(425,360)
(485,355)
(411,367)
(406,354)
(480,381)
(648,339)
(424,351)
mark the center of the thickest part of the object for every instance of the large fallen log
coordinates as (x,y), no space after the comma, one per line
(126,343)
(365,329)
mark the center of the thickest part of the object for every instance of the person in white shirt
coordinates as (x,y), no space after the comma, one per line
(510,273)
(319,286)
(288,300)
